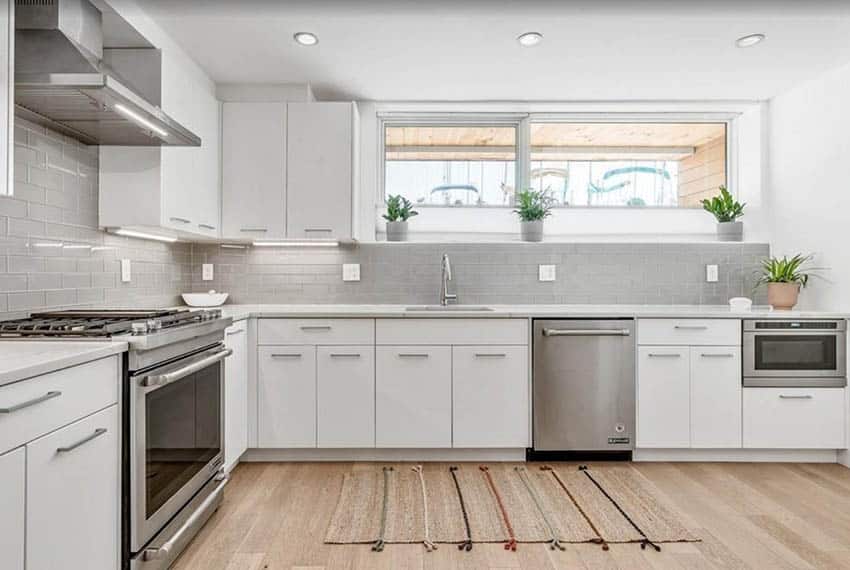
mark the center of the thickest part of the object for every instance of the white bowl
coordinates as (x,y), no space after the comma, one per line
(740,304)
(204,299)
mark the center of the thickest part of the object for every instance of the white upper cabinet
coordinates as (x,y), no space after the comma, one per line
(253,170)
(7,61)
(322,173)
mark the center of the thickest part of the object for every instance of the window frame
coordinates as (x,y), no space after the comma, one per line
(523,122)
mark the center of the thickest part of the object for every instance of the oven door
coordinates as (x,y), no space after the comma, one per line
(176,438)
(797,354)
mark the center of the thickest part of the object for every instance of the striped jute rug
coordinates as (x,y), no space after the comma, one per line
(501,503)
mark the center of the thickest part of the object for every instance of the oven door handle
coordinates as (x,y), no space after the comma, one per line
(175,375)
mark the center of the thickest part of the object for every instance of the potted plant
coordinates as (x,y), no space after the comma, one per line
(784,278)
(399,210)
(532,208)
(726,210)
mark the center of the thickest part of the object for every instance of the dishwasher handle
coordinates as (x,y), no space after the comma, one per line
(586,332)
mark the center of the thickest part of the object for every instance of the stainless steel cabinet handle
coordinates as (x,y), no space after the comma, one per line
(318,230)
(253,229)
(166,548)
(586,332)
(49,396)
(169,377)
(490,355)
(664,355)
(206,226)
(412,355)
(97,433)
(181,220)
(345,355)
(717,355)
(237,331)
(800,397)
(316,328)
(286,355)
(691,327)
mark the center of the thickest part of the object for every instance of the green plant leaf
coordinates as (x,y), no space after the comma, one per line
(796,269)
(399,209)
(724,207)
(533,205)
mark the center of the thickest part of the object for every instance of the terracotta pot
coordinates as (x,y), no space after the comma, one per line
(782,296)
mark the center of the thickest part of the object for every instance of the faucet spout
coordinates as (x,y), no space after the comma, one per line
(446,270)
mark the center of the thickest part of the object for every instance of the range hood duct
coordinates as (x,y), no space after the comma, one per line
(62,83)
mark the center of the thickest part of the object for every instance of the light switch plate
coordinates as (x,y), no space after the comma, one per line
(207,272)
(351,272)
(125,271)
(546,273)
(711,273)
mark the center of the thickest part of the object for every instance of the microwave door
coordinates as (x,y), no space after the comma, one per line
(794,355)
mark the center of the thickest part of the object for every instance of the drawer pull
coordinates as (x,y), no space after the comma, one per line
(237,331)
(345,355)
(318,230)
(664,355)
(97,433)
(253,229)
(28,403)
(286,355)
(412,355)
(691,327)
(206,226)
(490,355)
(316,328)
(800,397)
(717,355)
(181,220)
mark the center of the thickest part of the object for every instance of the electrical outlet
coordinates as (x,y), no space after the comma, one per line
(207,272)
(125,271)
(351,272)
(546,273)
(711,273)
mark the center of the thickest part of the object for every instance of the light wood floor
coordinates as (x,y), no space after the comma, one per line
(275,515)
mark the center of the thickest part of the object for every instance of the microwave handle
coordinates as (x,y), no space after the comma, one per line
(175,375)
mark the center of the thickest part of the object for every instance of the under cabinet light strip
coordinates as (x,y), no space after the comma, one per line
(133,116)
(143,235)
(296,244)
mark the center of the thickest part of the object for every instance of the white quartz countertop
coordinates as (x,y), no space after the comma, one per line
(21,359)
(240,312)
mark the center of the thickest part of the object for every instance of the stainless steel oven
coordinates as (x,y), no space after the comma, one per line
(804,353)
(176,451)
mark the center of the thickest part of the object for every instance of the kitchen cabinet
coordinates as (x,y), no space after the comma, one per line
(715,400)
(413,396)
(795,418)
(321,170)
(254,170)
(489,396)
(236,395)
(346,396)
(663,397)
(72,495)
(7,95)
(286,398)
(12,505)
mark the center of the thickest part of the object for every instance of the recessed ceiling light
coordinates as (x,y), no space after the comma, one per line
(306,38)
(750,40)
(529,39)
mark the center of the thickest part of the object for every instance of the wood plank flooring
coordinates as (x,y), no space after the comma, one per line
(749,515)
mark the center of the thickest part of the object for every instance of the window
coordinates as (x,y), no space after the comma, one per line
(581,164)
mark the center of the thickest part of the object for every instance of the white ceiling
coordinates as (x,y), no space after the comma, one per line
(466,50)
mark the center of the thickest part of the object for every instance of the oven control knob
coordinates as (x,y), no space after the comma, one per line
(154,325)
(139,328)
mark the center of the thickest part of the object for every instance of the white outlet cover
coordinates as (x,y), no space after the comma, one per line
(125,271)
(546,273)
(351,272)
(207,272)
(711,273)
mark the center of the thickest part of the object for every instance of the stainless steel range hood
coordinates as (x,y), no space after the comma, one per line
(61,81)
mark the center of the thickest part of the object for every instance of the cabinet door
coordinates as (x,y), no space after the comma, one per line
(73,490)
(286,399)
(663,399)
(12,504)
(795,418)
(346,396)
(7,63)
(413,396)
(319,170)
(253,170)
(207,162)
(715,396)
(490,396)
(236,395)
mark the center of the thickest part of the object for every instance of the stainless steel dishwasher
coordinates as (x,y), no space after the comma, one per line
(584,388)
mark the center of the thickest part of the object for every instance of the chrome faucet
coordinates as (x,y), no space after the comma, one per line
(445,296)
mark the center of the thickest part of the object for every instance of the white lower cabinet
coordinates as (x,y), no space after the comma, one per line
(489,397)
(794,418)
(73,489)
(346,396)
(236,395)
(715,397)
(286,396)
(413,396)
(663,411)
(12,505)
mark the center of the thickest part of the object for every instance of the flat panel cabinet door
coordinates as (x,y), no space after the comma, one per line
(715,396)
(12,505)
(319,173)
(663,400)
(207,167)
(346,396)
(73,490)
(236,395)
(413,396)
(253,170)
(490,396)
(286,399)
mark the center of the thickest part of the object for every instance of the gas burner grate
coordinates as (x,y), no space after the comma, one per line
(95,323)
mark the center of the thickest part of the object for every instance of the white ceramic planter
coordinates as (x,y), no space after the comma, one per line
(396,231)
(730,231)
(531,231)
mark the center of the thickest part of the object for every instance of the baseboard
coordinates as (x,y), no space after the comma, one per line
(384,455)
(844,457)
(748,455)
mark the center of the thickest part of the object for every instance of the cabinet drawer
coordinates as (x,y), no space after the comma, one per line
(445,331)
(794,418)
(48,402)
(316,331)
(719,332)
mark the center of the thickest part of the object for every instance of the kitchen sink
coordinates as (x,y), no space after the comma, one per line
(447,308)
